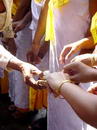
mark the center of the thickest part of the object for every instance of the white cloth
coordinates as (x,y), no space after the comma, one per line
(5,57)
(18,90)
(71,23)
(35,9)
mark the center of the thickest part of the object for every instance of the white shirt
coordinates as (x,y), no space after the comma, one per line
(5,56)
(35,9)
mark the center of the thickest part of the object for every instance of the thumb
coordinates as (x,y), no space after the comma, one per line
(75,78)
(70,68)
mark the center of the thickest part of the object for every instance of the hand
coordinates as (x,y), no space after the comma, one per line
(55,79)
(69,50)
(88,59)
(80,72)
(85,58)
(28,72)
(32,55)
(18,26)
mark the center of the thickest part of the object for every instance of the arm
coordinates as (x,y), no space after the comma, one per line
(82,102)
(33,52)
(43,50)
(73,48)
(41,24)
(19,25)
(27,70)
(87,43)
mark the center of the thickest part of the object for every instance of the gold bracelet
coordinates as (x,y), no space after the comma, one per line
(65,81)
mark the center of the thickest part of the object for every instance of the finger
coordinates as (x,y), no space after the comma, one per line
(63,54)
(30,81)
(74,59)
(70,67)
(17,29)
(36,72)
(71,53)
(14,26)
(75,78)
(42,83)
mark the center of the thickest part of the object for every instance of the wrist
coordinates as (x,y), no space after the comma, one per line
(65,86)
(36,41)
(16,64)
(61,85)
(82,42)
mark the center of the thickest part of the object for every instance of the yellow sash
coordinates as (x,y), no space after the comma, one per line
(50,34)
(93,28)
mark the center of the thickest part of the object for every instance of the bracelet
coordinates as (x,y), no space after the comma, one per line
(65,81)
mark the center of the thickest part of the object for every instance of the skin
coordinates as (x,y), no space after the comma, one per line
(80,72)
(27,70)
(73,48)
(82,102)
(33,52)
(82,45)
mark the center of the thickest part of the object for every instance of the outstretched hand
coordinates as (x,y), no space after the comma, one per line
(29,71)
(69,50)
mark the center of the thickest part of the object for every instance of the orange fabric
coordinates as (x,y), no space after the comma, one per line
(37,99)
(4,84)
(23,110)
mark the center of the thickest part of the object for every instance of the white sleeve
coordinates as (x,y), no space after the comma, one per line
(5,56)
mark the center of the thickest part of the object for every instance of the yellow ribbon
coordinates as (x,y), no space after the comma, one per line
(50,34)
(93,28)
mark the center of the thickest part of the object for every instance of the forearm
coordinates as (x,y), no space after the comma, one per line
(5,56)
(15,64)
(41,23)
(43,50)
(83,103)
(27,18)
(87,43)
